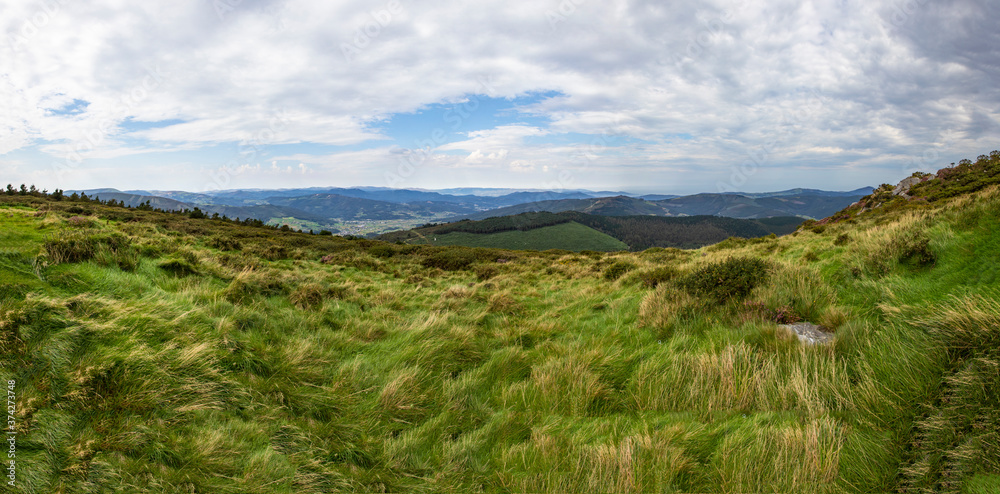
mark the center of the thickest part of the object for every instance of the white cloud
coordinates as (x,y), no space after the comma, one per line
(698,85)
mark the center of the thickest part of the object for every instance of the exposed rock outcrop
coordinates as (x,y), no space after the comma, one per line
(809,333)
(903,187)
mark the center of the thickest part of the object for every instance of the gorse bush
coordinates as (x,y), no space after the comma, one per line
(654,277)
(733,278)
(616,270)
(223,242)
(453,259)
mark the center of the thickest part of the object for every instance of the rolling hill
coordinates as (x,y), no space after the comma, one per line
(633,232)
(570,236)
(807,205)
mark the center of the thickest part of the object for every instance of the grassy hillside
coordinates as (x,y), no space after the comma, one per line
(566,236)
(157,353)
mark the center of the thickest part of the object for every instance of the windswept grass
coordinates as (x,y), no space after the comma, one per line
(169,354)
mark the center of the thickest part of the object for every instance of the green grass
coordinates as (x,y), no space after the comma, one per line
(567,236)
(282,362)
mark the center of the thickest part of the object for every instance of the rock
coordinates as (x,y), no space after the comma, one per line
(904,185)
(809,333)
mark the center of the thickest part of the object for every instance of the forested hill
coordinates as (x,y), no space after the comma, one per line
(748,206)
(638,232)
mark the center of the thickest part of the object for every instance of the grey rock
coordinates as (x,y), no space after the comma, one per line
(809,333)
(904,186)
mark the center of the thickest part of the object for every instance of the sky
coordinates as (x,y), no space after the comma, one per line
(641,96)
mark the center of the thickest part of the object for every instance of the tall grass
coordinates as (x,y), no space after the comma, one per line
(325,365)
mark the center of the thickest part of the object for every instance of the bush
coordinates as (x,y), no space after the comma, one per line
(916,251)
(452,259)
(654,277)
(382,251)
(760,311)
(81,222)
(733,278)
(842,239)
(616,270)
(485,271)
(222,242)
(270,250)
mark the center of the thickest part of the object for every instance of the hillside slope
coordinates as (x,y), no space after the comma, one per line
(809,205)
(635,232)
(570,236)
(149,352)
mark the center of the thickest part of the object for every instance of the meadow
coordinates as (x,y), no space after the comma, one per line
(154,352)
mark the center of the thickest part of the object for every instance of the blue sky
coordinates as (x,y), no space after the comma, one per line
(627,95)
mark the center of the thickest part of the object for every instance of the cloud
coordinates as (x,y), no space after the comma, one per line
(866,86)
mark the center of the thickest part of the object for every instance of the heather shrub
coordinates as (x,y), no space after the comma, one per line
(731,279)
(617,269)
(654,277)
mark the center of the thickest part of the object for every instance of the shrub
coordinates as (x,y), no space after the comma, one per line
(733,278)
(270,250)
(654,277)
(842,239)
(916,251)
(382,251)
(452,259)
(616,270)
(81,222)
(485,271)
(810,256)
(222,242)
(760,311)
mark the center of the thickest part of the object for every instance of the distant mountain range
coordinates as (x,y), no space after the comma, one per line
(373,210)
